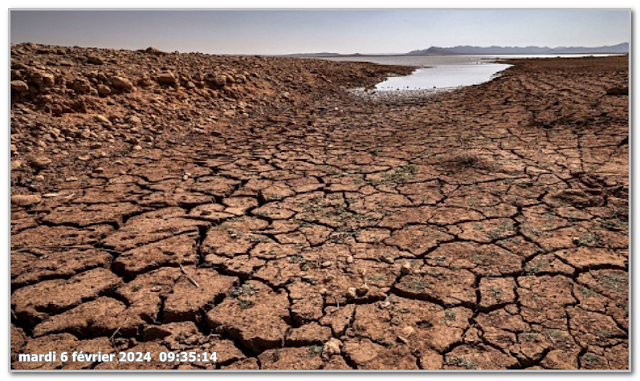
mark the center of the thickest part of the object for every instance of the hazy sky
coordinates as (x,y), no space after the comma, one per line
(279,32)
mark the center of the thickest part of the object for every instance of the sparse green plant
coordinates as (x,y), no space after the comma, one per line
(339,237)
(533,268)
(262,213)
(416,285)
(495,234)
(449,315)
(592,358)
(257,238)
(530,232)
(589,239)
(586,291)
(245,289)
(615,282)
(605,334)
(296,258)
(235,234)
(461,362)
(477,257)
(315,350)
(553,333)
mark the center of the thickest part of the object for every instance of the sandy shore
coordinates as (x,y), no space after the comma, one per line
(257,208)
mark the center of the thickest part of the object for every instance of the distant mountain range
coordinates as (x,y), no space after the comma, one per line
(622,48)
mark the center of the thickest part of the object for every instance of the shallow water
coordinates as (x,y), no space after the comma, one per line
(443,76)
(443,71)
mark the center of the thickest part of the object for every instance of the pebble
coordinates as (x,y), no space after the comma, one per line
(326,264)
(332,347)
(41,162)
(362,290)
(387,259)
(134,120)
(350,259)
(405,269)
(103,119)
(25,199)
(167,77)
(408,331)
(104,90)
(19,86)
(351,292)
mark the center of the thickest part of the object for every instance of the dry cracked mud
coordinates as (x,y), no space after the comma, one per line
(254,207)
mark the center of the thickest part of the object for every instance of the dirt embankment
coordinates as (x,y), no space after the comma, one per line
(278,220)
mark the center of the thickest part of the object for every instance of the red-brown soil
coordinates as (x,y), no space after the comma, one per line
(254,207)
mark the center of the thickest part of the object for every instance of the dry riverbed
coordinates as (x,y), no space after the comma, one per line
(256,208)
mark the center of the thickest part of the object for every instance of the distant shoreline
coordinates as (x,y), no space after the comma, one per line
(467,50)
(445,55)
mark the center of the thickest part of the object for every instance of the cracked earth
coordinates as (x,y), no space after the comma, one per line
(483,228)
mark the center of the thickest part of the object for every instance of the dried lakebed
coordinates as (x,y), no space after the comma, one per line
(485,228)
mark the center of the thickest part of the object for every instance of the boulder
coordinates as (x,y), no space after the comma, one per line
(104,90)
(95,60)
(121,83)
(19,86)
(43,79)
(41,162)
(81,86)
(167,78)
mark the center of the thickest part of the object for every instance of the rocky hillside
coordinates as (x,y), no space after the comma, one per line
(70,105)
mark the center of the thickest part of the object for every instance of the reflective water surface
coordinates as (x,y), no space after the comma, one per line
(443,76)
(443,71)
